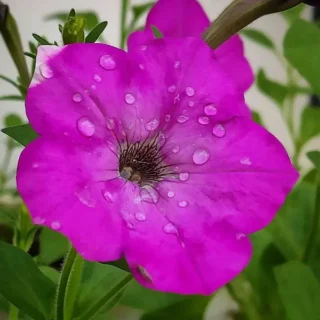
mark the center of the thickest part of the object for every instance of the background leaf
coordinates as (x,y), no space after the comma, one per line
(96,32)
(23,134)
(299,290)
(310,124)
(302,50)
(294,13)
(23,284)
(258,37)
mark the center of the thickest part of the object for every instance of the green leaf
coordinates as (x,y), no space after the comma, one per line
(101,288)
(51,273)
(139,10)
(12,119)
(41,40)
(258,37)
(53,246)
(12,97)
(291,227)
(156,32)
(16,85)
(256,117)
(274,90)
(139,297)
(90,17)
(30,55)
(294,13)
(96,32)
(23,284)
(302,50)
(191,308)
(299,290)
(310,127)
(23,134)
(314,157)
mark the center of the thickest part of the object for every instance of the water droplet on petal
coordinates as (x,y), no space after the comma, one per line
(177,64)
(170,228)
(240,236)
(190,92)
(201,156)
(219,130)
(86,126)
(183,204)
(55,225)
(85,197)
(35,165)
(184,176)
(191,104)
(77,97)
(107,62)
(130,225)
(144,48)
(38,220)
(129,98)
(171,194)
(140,216)
(210,110)
(149,194)
(176,98)
(46,71)
(176,149)
(245,161)
(97,78)
(203,120)
(141,66)
(167,118)
(109,196)
(137,200)
(182,119)
(152,125)
(172,89)
(93,87)
(110,123)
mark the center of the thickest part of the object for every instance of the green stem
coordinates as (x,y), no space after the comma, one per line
(315,225)
(239,14)
(123,29)
(68,286)
(11,36)
(13,313)
(95,308)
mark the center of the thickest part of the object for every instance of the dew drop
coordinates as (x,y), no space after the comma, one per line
(46,71)
(141,66)
(240,236)
(200,156)
(191,104)
(110,123)
(219,130)
(245,161)
(55,225)
(171,194)
(176,98)
(183,204)
(203,120)
(130,225)
(210,110)
(93,87)
(177,64)
(109,196)
(129,98)
(152,125)
(86,127)
(176,149)
(149,194)
(35,165)
(77,97)
(38,220)
(85,197)
(172,89)
(167,118)
(97,78)
(170,228)
(144,48)
(107,62)
(190,92)
(182,119)
(140,216)
(184,176)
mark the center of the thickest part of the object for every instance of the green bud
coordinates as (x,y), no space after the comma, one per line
(4,11)
(73,30)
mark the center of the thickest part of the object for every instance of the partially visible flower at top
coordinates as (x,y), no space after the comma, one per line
(186,18)
(315,3)
(150,155)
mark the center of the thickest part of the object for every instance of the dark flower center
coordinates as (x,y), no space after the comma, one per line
(142,162)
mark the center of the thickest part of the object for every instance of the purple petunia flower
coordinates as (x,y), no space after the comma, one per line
(186,18)
(150,155)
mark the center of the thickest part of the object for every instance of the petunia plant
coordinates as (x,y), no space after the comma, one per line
(147,181)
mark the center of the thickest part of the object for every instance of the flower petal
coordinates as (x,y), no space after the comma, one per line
(197,261)
(243,173)
(62,185)
(173,19)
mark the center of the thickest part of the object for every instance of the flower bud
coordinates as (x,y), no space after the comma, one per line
(73,30)
(4,10)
